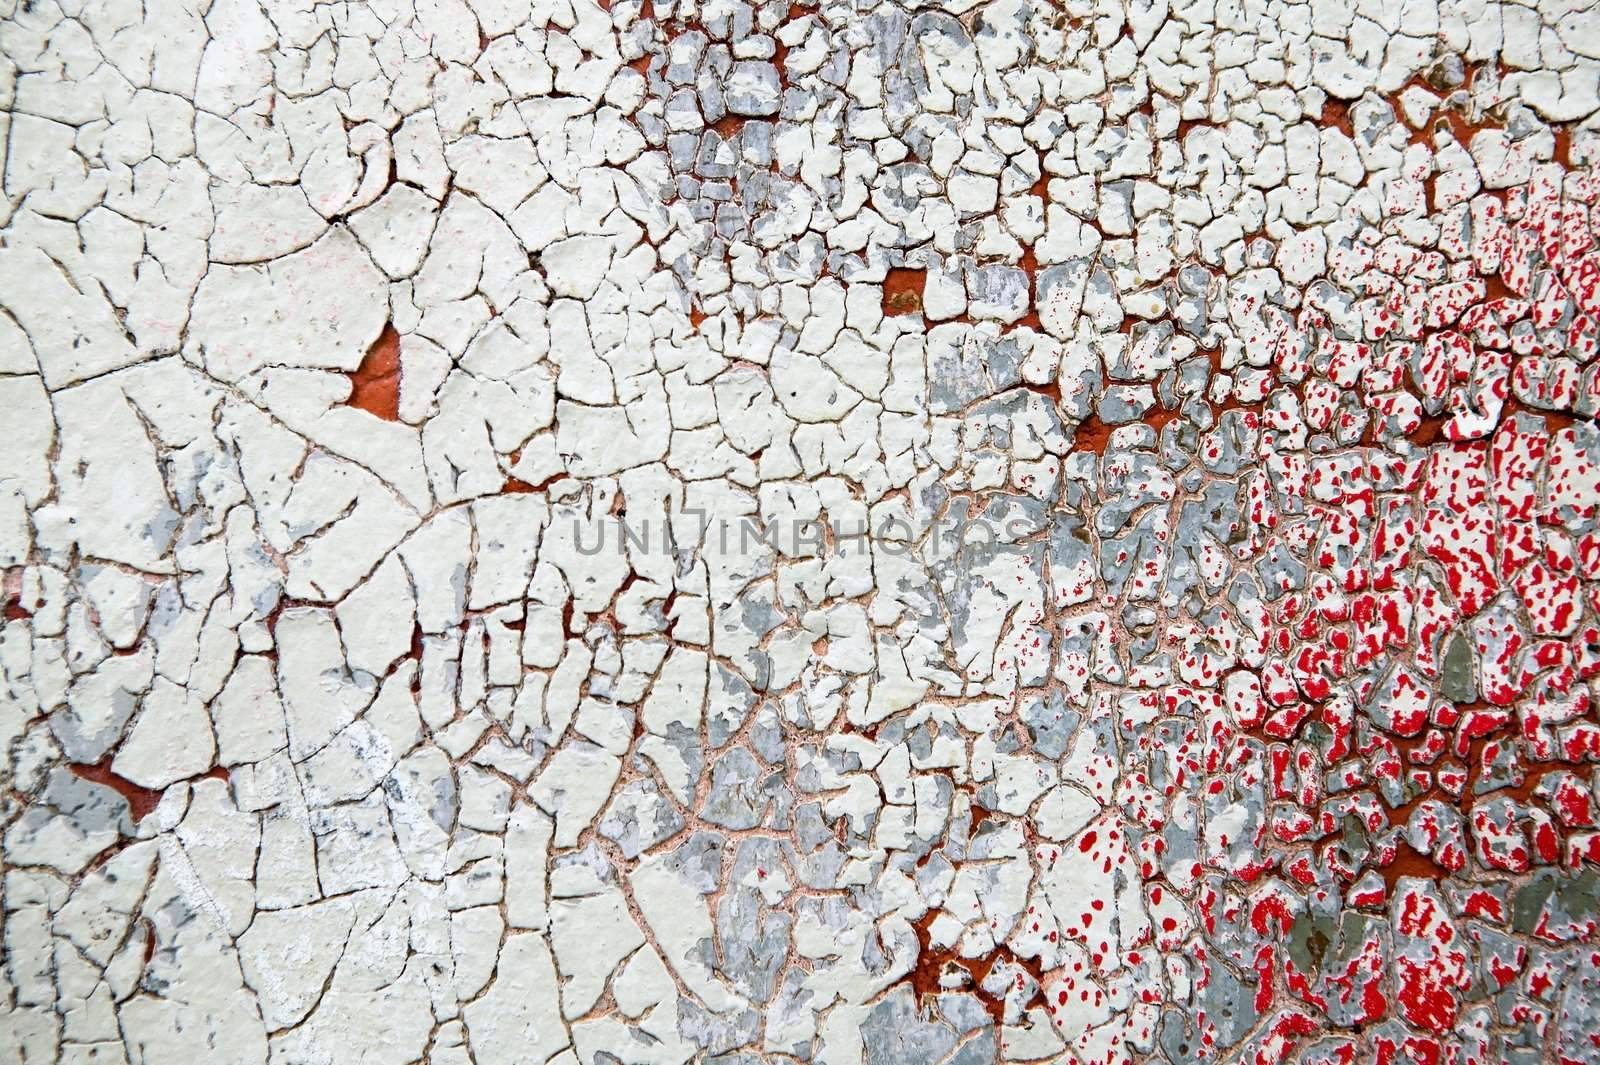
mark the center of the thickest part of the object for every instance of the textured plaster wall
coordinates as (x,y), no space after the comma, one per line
(936,532)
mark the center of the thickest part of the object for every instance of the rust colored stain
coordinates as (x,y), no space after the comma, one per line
(728,126)
(924,976)
(513,486)
(1336,115)
(1563,150)
(1459,127)
(1494,286)
(1091,435)
(375,384)
(902,290)
(1232,400)
(1029,263)
(933,962)
(1554,420)
(1051,391)
(1158,417)
(141,800)
(1472,764)
(1448,116)
(1094,436)
(415,654)
(1430,431)
(1041,189)
(849,728)
(1408,861)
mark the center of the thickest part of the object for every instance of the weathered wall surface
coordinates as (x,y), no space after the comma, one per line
(936,532)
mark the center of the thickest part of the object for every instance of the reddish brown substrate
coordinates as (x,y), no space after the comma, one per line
(1410,862)
(902,291)
(375,384)
(1051,391)
(1336,115)
(932,962)
(1029,263)
(141,800)
(728,126)
(1091,434)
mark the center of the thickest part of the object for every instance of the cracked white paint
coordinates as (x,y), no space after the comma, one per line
(477,492)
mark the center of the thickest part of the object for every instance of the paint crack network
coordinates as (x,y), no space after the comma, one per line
(636,532)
